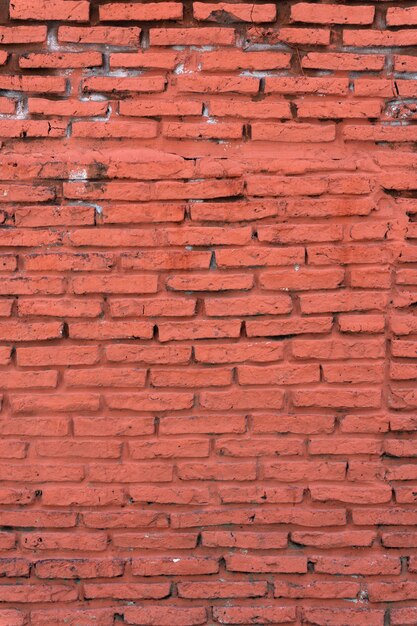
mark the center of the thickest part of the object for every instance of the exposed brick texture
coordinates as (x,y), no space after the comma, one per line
(208,327)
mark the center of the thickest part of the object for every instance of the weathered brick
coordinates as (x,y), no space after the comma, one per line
(207,313)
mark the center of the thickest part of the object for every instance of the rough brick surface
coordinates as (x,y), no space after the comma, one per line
(208,329)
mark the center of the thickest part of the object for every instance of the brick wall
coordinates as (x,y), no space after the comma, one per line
(208,323)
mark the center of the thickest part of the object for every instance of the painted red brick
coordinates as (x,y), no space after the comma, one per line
(208,336)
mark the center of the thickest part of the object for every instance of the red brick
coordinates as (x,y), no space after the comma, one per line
(123,84)
(165,260)
(198,329)
(354,253)
(214,84)
(353,373)
(193,378)
(59,568)
(338,109)
(403,63)
(225,590)
(71,616)
(103,449)
(22,34)
(379,38)
(32,128)
(379,133)
(344,301)
(259,257)
(108,35)
(58,108)
(151,108)
(127,591)
(20,285)
(223,130)
(169,449)
(305,84)
(134,473)
(235,13)
(302,279)
(143,12)
(338,616)
(265,423)
(166,566)
(20,331)
(38,593)
(68,10)
(266,564)
(7,106)
(324,540)
(146,401)
(288,132)
(191,36)
(342,398)
(142,58)
(78,496)
(200,425)
(10,617)
(403,617)
(299,233)
(317,589)
(18,193)
(390,516)
(283,327)
(206,282)
(59,403)
(301,36)
(363,348)
(242,399)
(278,374)
(60,60)
(54,216)
(140,130)
(248,305)
(62,355)
(237,59)
(266,614)
(255,447)
(398,16)
(165,495)
(365,424)
(110,330)
(165,616)
(121,214)
(231,539)
(367,495)
(36,379)
(216,471)
(332,14)
(85,426)
(378,566)
(136,283)
(346,61)
(41,427)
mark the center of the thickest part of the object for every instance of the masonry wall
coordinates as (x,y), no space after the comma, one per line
(208,332)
